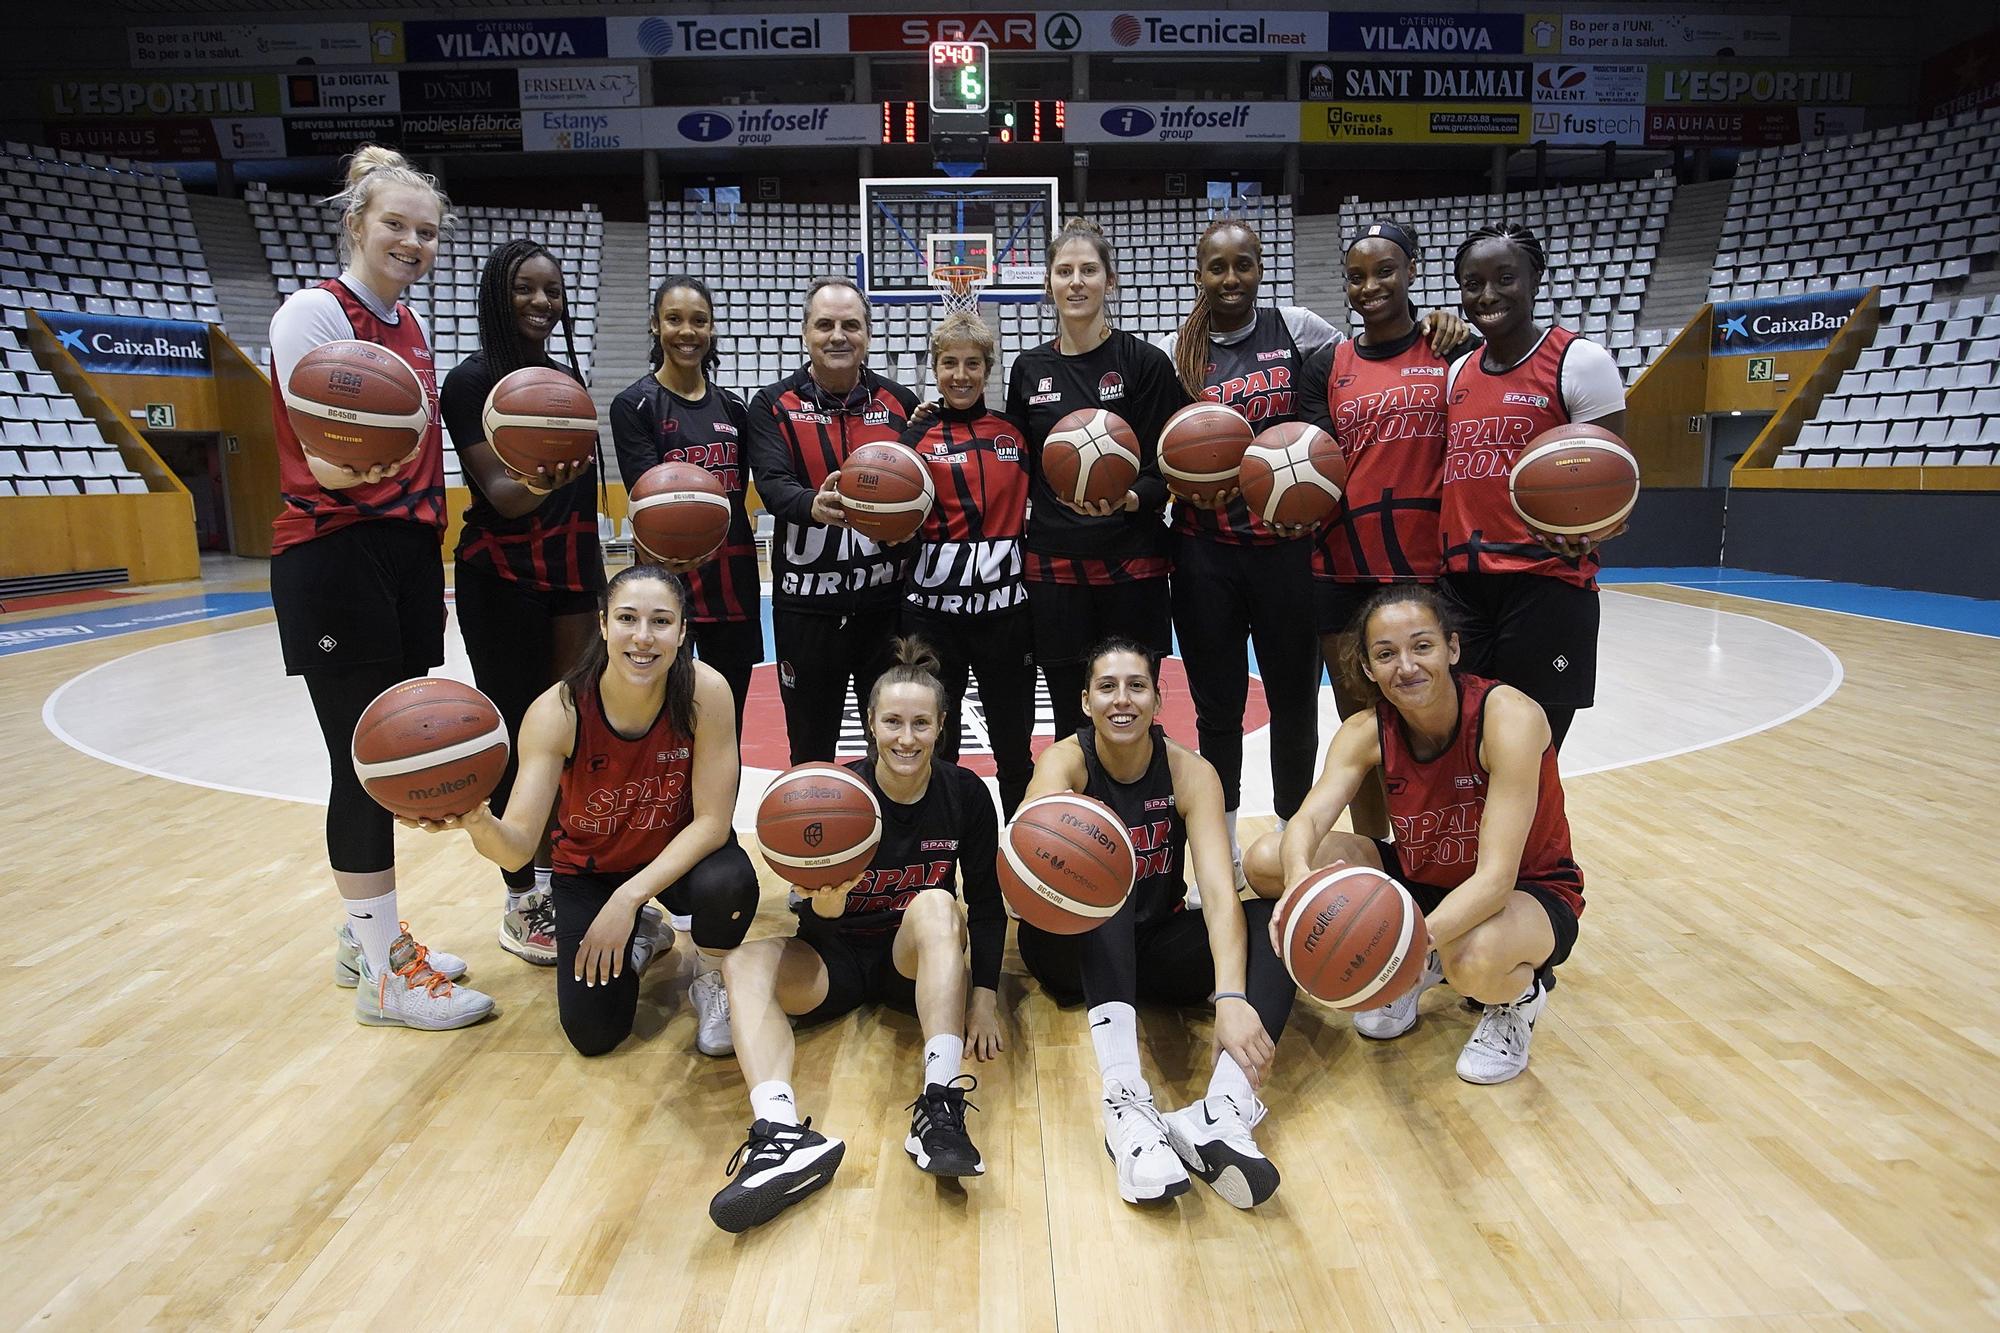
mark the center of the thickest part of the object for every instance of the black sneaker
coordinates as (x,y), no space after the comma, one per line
(776,1167)
(938,1141)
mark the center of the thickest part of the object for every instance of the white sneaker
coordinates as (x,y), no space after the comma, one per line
(1135,1138)
(1396,1018)
(414,995)
(711,1014)
(1498,1047)
(347,958)
(651,937)
(1213,1137)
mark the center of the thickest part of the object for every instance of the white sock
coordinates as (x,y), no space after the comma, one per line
(1235,848)
(1114,1031)
(1229,1080)
(681,924)
(373,921)
(515,897)
(542,876)
(773,1101)
(944,1055)
(706,961)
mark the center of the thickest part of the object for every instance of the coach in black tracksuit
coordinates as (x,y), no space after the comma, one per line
(1093,575)
(835,595)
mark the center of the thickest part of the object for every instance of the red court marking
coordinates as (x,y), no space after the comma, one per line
(59,599)
(764,744)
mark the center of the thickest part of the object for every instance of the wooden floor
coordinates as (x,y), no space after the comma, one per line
(1766,1095)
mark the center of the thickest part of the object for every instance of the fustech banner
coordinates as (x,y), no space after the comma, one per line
(117,345)
(1782,323)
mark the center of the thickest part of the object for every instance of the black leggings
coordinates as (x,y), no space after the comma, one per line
(1165,961)
(818,657)
(1225,596)
(734,648)
(1000,650)
(360,835)
(511,634)
(1072,618)
(720,893)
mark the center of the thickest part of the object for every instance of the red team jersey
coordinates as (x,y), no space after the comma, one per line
(1435,806)
(622,800)
(1388,415)
(1492,419)
(416,494)
(968,560)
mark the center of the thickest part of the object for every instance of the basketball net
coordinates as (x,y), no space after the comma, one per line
(959,286)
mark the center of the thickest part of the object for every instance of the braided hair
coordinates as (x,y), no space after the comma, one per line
(1191,348)
(657,353)
(1512,232)
(499,333)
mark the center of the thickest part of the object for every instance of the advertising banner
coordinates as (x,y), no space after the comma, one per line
(359,92)
(336,136)
(1181,122)
(1413,122)
(145,140)
(1591,123)
(1192,31)
(462,132)
(1782,323)
(580,85)
(1644,33)
(1398,32)
(1746,127)
(719,128)
(915,32)
(460,90)
(607,130)
(1964,78)
(269,44)
(1413,81)
(699,35)
(251,95)
(1579,85)
(1734,84)
(120,345)
(456,40)
(263,137)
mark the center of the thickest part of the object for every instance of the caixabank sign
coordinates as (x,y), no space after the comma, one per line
(1782,323)
(117,345)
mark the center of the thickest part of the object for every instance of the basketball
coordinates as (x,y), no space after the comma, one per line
(1574,481)
(1294,475)
(1091,456)
(1066,863)
(356,404)
(818,824)
(539,417)
(1353,938)
(679,513)
(1201,447)
(886,490)
(430,748)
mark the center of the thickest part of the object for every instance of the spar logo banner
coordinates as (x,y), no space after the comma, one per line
(1181,122)
(1415,81)
(1394,32)
(1413,122)
(1782,323)
(915,32)
(116,345)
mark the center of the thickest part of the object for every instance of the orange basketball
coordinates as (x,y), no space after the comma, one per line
(1066,863)
(818,824)
(1574,481)
(680,513)
(1353,938)
(1294,474)
(539,417)
(356,404)
(886,491)
(1201,447)
(430,748)
(1091,456)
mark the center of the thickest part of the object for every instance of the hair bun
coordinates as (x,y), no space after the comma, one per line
(915,653)
(1081,224)
(371,158)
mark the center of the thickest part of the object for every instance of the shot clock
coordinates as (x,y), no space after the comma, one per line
(959,79)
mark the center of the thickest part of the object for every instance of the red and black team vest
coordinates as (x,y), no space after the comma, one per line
(1153,818)
(651,424)
(1435,805)
(1258,376)
(1492,419)
(968,560)
(622,799)
(416,494)
(1388,415)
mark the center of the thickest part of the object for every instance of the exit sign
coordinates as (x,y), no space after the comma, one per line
(1762,369)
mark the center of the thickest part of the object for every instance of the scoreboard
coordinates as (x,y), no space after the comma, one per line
(1006,122)
(959,80)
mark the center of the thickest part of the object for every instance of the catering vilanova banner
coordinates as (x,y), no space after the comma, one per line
(119,345)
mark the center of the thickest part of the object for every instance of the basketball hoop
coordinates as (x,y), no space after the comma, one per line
(959,286)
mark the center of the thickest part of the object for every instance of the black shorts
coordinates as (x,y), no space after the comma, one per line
(1562,920)
(1072,618)
(860,969)
(370,592)
(1335,605)
(1535,633)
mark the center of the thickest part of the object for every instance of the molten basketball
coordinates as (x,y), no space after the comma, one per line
(818,825)
(679,513)
(886,491)
(430,748)
(1294,475)
(1201,447)
(1091,456)
(356,404)
(1353,938)
(539,417)
(1066,863)
(1574,481)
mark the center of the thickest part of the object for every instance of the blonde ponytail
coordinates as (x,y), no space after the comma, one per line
(371,167)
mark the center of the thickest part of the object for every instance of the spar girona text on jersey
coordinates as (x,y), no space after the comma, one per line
(622,800)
